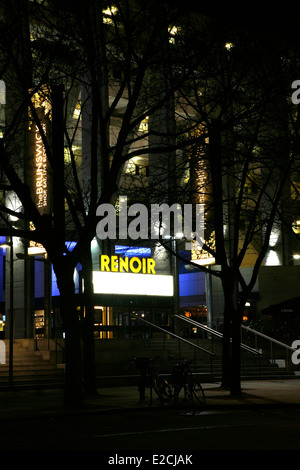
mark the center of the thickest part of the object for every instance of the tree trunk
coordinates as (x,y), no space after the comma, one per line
(231,359)
(89,368)
(235,386)
(73,386)
(226,348)
(227,322)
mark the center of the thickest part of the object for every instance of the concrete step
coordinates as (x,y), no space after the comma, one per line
(33,384)
(31,369)
(32,378)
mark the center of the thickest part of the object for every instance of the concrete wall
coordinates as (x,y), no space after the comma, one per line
(277,284)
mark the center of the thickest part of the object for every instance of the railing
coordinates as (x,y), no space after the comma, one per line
(216,333)
(272,342)
(179,338)
(59,347)
(268,351)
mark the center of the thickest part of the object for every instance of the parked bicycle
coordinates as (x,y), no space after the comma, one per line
(151,379)
(183,381)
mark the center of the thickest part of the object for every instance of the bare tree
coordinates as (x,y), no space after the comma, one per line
(73,72)
(239,101)
(237,140)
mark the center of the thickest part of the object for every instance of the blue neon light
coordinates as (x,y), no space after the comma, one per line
(130,251)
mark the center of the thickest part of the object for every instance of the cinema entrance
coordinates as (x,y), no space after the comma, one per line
(129,317)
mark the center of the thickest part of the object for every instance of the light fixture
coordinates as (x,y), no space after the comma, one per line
(36,250)
(108,13)
(229,45)
(4,245)
(273,238)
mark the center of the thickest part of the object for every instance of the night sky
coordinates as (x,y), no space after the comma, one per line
(273,19)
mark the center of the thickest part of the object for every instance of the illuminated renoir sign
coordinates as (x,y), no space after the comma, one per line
(134,265)
(131,276)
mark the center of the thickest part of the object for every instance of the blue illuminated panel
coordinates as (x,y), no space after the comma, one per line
(130,251)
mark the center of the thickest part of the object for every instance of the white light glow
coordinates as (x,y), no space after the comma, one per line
(272,259)
(36,250)
(204,261)
(274,237)
(132,284)
(13,203)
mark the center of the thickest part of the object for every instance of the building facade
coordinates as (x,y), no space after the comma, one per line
(157,279)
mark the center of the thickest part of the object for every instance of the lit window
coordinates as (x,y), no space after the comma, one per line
(2,92)
(173,31)
(130,167)
(144,125)
(108,14)
(77,111)
(296,226)
(295,189)
(229,45)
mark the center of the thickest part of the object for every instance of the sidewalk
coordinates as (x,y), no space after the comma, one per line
(18,405)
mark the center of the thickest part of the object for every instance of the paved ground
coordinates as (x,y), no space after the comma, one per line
(44,403)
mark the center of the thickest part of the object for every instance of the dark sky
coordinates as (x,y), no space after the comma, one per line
(274,19)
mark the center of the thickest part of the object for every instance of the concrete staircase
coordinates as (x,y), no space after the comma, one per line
(252,367)
(36,368)
(32,369)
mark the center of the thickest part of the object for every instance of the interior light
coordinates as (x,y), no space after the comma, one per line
(179,235)
(204,261)
(274,237)
(36,250)
(173,31)
(108,14)
(296,226)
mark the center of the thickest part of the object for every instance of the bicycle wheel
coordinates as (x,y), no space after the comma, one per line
(165,390)
(176,391)
(198,392)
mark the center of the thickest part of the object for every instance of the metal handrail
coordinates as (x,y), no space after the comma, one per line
(174,335)
(269,338)
(207,329)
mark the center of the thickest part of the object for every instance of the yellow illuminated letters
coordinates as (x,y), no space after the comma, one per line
(134,265)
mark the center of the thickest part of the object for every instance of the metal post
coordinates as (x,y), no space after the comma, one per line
(11,319)
(47,299)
